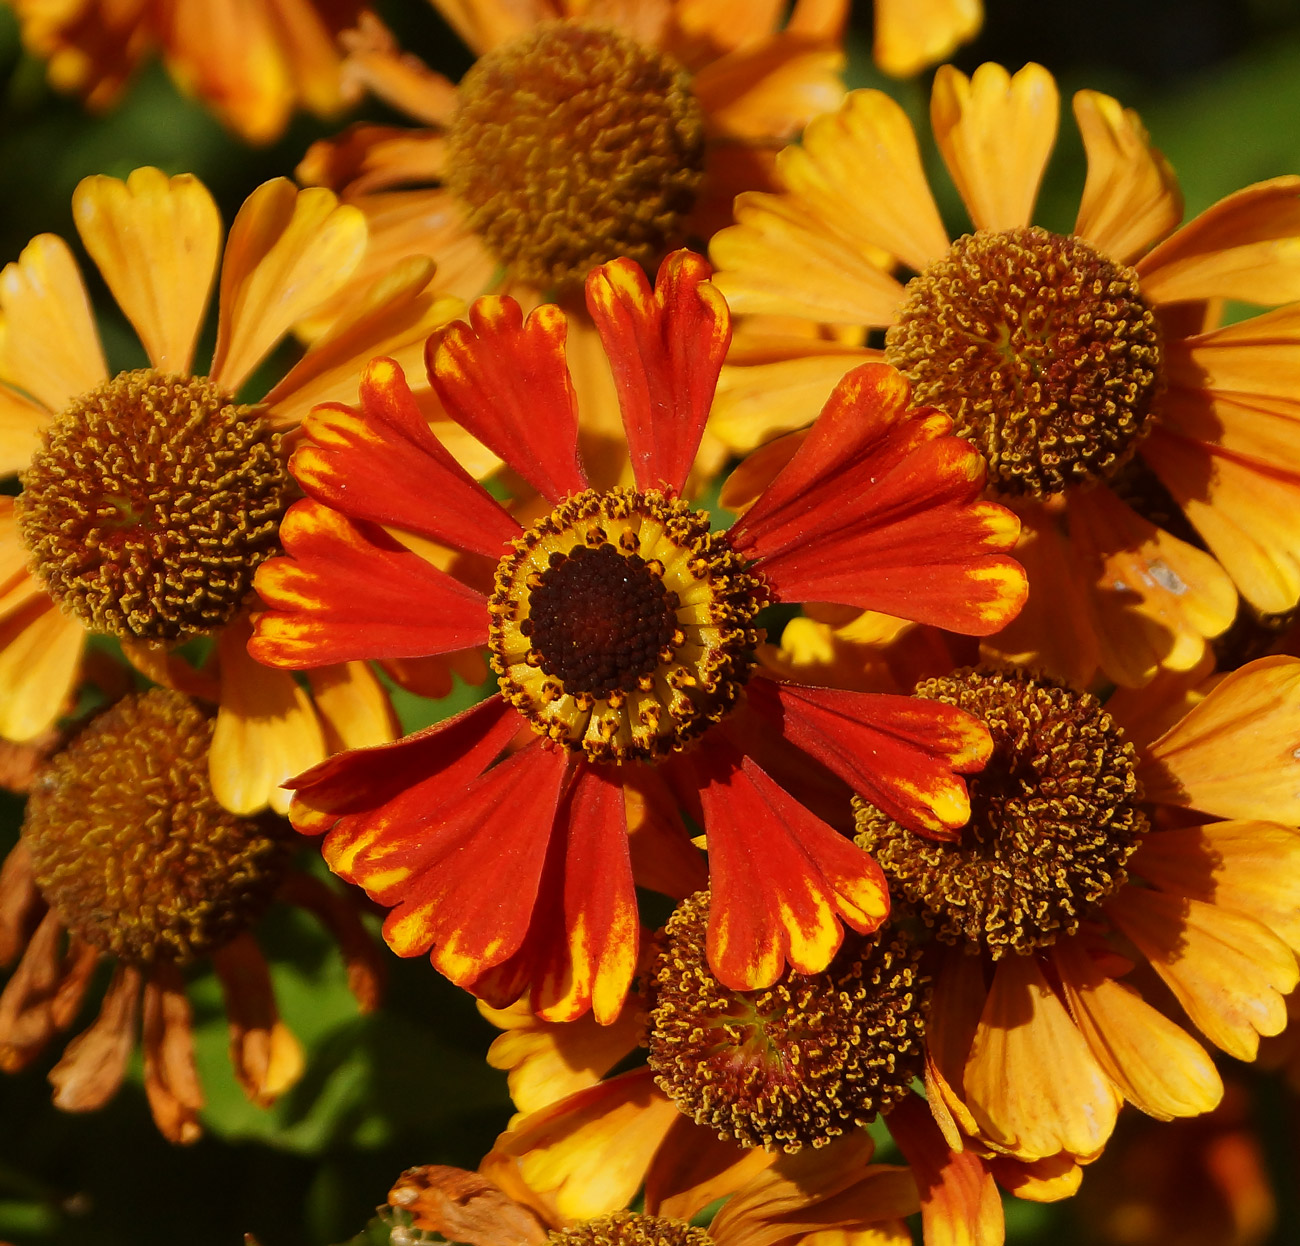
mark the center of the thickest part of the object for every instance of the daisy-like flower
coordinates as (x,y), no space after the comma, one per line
(125,855)
(253,62)
(622,630)
(1154,838)
(1151,456)
(150,497)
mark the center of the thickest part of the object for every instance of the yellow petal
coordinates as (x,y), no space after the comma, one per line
(1227,971)
(1237,753)
(21,422)
(289,250)
(1257,357)
(914,34)
(354,707)
(995,133)
(155,240)
(48,343)
(1157,1065)
(860,170)
(1031,1082)
(1131,198)
(40,657)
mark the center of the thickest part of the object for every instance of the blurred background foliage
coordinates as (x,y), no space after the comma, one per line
(1217,83)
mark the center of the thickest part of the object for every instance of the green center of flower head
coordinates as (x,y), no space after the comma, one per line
(630,1228)
(798,1063)
(1040,349)
(150,504)
(130,847)
(1054,819)
(573,145)
(622,626)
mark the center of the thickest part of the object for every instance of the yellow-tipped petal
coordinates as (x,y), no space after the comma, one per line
(156,241)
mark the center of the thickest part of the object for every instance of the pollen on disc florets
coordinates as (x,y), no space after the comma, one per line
(151,502)
(1041,350)
(573,145)
(622,626)
(630,1228)
(797,1063)
(130,847)
(1054,818)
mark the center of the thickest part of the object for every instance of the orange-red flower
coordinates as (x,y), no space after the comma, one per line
(622,631)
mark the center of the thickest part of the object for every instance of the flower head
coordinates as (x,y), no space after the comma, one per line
(623,631)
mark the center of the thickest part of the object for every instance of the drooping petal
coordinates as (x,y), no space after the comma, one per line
(287,252)
(40,657)
(94,1064)
(900,753)
(49,346)
(1156,1064)
(155,239)
(171,1080)
(1040,1181)
(694,1167)
(665,348)
(1227,970)
(995,132)
(383,464)
(782,880)
(26,1015)
(1031,1082)
(1237,753)
(880,509)
(1246,246)
(354,706)
(1131,198)
(504,379)
(346,591)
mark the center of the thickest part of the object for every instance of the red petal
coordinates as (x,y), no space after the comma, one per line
(879,509)
(506,382)
(665,348)
(781,878)
(901,754)
(382,463)
(347,592)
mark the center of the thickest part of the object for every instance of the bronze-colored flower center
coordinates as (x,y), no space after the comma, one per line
(1041,350)
(1054,819)
(574,145)
(130,847)
(630,1228)
(622,626)
(798,1063)
(150,504)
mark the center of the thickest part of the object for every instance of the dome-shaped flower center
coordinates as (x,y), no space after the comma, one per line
(622,626)
(799,1062)
(1054,818)
(573,145)
(131,849)
(630,1228)
(1040,349)
(150,503)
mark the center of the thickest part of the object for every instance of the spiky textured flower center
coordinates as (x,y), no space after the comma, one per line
(130,847)
(1041,350)
(622,626)
(574,145)
(797,1063)
(1054,818)
(630,1228)
(150,504)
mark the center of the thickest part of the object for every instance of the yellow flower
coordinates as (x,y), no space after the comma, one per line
(151,496)
(251,61)
(1151,456)
(912,34)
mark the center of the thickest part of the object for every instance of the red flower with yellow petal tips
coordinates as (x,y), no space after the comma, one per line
(623,633)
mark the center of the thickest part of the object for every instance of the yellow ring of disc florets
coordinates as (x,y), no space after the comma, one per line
(705,654)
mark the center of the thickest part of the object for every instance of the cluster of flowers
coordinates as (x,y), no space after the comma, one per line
(968,753)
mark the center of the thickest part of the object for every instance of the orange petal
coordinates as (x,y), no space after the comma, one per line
(354,707)
(40,657)
(694,1167)
(995,132)
(94,1063)
(914,34)
(288,251)
(21,424)
(1031,1082)
(1237,753)
(155,240)
(1131,198)
(171,1080)
(49,346)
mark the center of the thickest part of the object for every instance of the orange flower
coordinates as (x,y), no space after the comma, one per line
(1151,456)
(150,496)
(623,632)
(251,61)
